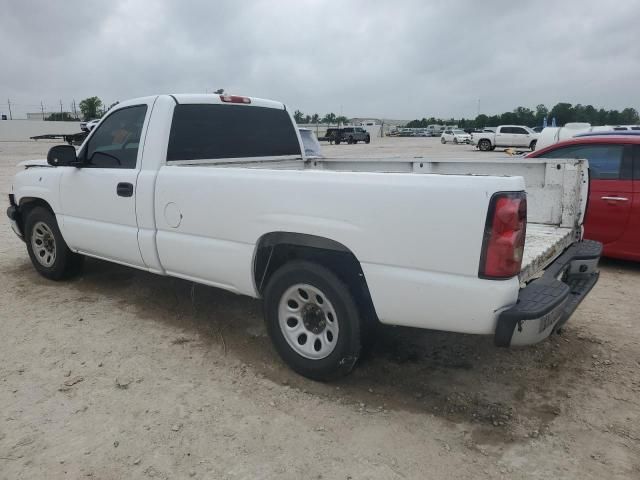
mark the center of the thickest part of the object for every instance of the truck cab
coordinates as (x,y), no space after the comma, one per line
(506,136)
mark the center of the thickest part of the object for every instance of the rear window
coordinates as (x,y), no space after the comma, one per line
(201,132)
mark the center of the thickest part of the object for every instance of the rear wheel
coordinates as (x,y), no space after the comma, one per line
(337,142)
(367,139)
(312,320)
(532,145)
(442,140)
(484,145)
(455,140)
(48,251)
(351,141)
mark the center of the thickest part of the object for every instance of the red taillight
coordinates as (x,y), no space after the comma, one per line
(504,234)
(235,99)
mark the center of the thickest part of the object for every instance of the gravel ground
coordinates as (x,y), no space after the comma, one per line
(123,374)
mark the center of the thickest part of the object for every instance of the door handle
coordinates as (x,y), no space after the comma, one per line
(615,199)
(124,189)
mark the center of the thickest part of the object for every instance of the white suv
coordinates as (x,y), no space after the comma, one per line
(455,135)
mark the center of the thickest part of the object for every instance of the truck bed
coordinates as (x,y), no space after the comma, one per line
(556,191)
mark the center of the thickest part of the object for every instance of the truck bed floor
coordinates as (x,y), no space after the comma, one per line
(542,245)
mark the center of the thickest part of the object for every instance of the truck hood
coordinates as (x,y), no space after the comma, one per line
(34,163)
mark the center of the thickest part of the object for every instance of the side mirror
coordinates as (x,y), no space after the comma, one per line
(62,156)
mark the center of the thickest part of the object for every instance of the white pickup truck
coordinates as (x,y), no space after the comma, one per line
(506,136)
(218,190)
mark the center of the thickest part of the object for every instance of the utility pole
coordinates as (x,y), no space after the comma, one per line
(9,103)
(478,107)
(60,109)
(42,110)
(75,112)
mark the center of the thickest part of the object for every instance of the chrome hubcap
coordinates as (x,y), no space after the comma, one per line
(308,321)
(43,244)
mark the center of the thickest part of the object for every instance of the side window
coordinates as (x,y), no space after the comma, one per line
(506,130)
(211,131)
(115,143)
(519,131)
(605,161)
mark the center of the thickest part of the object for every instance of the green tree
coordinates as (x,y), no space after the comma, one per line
(342,120)
(542,112)
(90,107)
(329,118)
(315,118)
(482,120)
(563,113)
(629,116)
(298,116)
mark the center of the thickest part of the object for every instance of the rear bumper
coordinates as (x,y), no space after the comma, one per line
(546,303)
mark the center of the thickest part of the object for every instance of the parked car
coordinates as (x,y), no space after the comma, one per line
(217,189)
(613,210)
(455,136)
(88,126)
(506,136)
(347,134)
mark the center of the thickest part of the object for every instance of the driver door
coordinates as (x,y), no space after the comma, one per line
(98,200)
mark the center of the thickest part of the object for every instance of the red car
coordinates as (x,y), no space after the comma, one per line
(613,209)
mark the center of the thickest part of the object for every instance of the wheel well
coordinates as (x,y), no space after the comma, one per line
(26,205)
(277,248)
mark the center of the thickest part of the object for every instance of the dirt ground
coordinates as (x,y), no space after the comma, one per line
(120,374)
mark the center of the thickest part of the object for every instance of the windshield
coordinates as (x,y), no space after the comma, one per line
(458,132)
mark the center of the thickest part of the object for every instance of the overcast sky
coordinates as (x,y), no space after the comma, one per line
(393,59)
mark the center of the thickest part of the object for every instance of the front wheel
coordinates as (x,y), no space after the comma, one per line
(484,145)
(532,145)
(337,142)
(368,139)
(312,320)
(48,251)
(455,140)
(442,140)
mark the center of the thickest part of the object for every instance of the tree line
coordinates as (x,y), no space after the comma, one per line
(91,108)
(562,112)
(329,118)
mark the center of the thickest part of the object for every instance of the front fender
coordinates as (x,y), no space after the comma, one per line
(38,183)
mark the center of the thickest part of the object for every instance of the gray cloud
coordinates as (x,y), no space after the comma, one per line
(402,59)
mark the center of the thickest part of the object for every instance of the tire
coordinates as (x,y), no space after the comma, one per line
(367,139)
(337,142)
(532,145)
(350,141)
(442,140)
(484,145)
(320,337)
(455,140)
(48,251)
